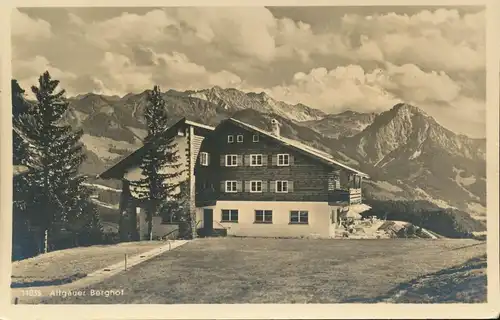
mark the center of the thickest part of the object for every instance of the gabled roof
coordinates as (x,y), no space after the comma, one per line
(132,158)
(300,147)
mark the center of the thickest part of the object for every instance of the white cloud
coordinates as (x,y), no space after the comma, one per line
(75,19)
(350,87)
(120,75)
(244,30)
(28,71)
(243,33)
(28,29)
(336,90)
(130,27)
(438,40)
(413,84)
(175,70)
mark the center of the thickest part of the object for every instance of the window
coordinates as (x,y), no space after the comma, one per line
(358,182)
(180,132)
(255,138)
(281,186)
(239,138)
(230,139)
(229,215)
(204,158)
(297,216)
(256,160)
(283,159)
(263,216)
(231,186)
(255,186)
(231,160)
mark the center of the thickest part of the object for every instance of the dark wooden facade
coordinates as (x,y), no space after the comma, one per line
(310,179)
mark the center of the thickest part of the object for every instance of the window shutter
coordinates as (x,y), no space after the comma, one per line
(264,186)
(239,160)
(239,186)
(290,186)
(208,159)
(291,158)
(264,160)
(247,186)
(222,160)
(274,160)
(247,160)
(223,186)
(272,186)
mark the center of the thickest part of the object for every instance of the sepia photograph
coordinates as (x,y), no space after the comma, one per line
(249,155)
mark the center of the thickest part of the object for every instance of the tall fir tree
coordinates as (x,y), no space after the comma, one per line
(22,239)
(54,154)
(160,167)
(20,108)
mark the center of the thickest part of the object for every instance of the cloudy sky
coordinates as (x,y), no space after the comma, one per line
(331,58)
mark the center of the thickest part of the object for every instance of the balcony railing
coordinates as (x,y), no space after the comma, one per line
(351,196)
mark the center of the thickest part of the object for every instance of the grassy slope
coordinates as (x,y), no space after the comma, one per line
(282,271)
(464,282)
(65,265)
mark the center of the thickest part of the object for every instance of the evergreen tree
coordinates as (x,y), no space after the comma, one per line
(178,211)
(82,218)
(22,237)
(20,109)
(159,165)
(54,153)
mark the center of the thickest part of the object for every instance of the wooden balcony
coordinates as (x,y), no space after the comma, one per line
(351,196)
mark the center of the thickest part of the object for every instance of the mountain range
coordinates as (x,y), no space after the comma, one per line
(407,153)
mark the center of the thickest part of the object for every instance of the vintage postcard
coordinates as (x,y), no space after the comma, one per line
(202,157)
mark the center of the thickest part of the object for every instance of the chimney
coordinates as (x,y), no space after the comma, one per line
(275,127)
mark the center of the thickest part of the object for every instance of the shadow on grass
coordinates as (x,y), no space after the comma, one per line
(46,283)
(452,285)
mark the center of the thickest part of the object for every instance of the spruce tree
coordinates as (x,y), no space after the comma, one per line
(22,240)
(20,108)
(54,154)
(160,167)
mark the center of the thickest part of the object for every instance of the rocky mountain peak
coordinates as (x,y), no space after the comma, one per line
(405,107)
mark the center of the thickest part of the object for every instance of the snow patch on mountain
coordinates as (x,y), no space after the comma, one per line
(477,210)
(438,202)
(387,162)
(388,186)
(473,196)
(80,116)
(199,95)
(361,147)
(467,181)
(415,155)
(140,133)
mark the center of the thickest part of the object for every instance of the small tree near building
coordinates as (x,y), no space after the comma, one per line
(160,167)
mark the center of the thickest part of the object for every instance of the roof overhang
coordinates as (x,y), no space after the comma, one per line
(118,170)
